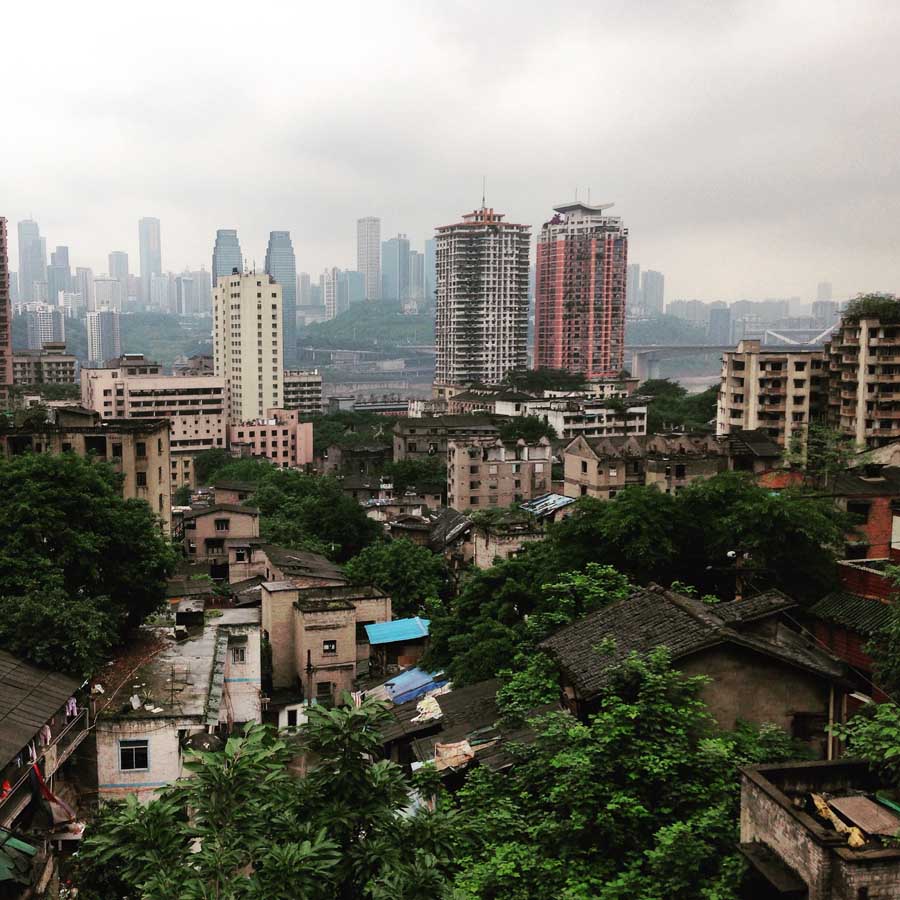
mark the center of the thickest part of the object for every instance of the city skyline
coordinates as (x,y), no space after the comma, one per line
(735,158)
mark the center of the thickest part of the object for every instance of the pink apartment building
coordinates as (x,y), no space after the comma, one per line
(280,437)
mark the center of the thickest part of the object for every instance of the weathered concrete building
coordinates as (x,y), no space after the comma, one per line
(489,472)
(761,669)
(137,449)
(49,365)
(207,528)
(794,847)
(317,636)
(183,693)
(431,436)
(280,437)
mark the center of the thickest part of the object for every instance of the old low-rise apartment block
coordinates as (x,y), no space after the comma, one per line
(777,389)
(280,437)
(318,638)
(133,387)
(303,391)
(431,436)
(184,689)
(137,449)
(207,528)
(492,473)
(604,467)
(49,365)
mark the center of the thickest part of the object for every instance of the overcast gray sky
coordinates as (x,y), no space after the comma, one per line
(751,147)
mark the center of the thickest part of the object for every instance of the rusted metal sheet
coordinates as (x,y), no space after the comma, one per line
(867,815)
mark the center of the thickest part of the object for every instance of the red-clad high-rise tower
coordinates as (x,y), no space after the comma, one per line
(582,255)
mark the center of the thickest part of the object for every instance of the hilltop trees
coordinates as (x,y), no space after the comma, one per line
(78,563)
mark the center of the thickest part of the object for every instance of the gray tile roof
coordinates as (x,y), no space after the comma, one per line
(651,618)
(860,614)
(29,696)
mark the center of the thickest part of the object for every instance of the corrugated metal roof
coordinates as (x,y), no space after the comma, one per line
(546,504)
(29,696)
(398,630)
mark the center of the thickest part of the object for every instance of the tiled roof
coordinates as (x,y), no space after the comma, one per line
(857,613)
(29,696)
(652,618)
(754,443)
(734,612)
(220,508)
(855,482)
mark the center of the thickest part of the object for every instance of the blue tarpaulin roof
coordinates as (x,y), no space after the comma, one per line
(399,630)
(413,683)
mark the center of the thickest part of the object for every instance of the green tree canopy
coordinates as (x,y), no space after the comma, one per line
(529,428)
(672,407)
(639,802)
(78,563)
(243,828)
(543,379)
(785,540)
(426,475)
(412,575)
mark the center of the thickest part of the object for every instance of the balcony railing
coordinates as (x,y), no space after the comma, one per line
(60,748)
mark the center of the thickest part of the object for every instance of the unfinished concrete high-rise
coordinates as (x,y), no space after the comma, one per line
(6,367)
(481,319)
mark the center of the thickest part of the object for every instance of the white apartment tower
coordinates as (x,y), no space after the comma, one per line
(481,298)
(247,344)
(368,255)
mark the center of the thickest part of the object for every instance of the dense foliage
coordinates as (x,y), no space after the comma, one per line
(367,326)
(412,575)
(884,307)
(639,802)
(305,512)
(536,380)
(873,734)
(884,644)
(648,536)
(527,428)
(672,407)
(243,827)
(429,476)
(78,563)
(349,429)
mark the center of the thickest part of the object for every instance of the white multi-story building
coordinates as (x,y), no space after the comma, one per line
(132,387)
(45,324)
(104,336)
(303,391)
(247,344)
(368,254)
(330,282)
(482,299)
(109,293)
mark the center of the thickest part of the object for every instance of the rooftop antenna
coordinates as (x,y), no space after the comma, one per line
(589,196)
(483,191)
(576,193)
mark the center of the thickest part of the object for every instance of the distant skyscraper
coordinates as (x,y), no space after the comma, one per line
(304,294)
(118,269)
(58,282)
(719,324)
(330,284)
(430,277)
(186,300)
(43,324)
(13,287)
(282,266)
(481,318)
(6,366)
(159,294)
(84,285)
(247,344)
(32,258)
(109,293)
(653,292)
(395,269)
(580,291)
(823,290)
(416,275)
(355,286)
(104,336)
(368,254)
(633,287)
(203,286)
(151,254)
(226,255)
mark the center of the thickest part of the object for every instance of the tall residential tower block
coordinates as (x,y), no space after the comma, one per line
(247,342)
(582,257)
(481,319)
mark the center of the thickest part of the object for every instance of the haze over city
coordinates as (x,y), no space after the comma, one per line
(751,149)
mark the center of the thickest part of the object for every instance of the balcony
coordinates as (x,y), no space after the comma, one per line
(53,757)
